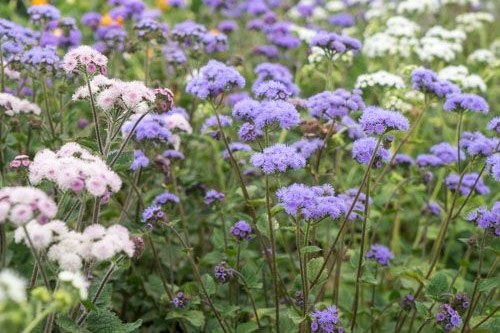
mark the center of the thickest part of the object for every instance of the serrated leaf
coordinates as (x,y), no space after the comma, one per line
(295,317)
(421,308)
(310,249)
(195,318)
(247,327)
(67,324)
(487,285)
(106,321)
(438,285)
(209,284)
(313,268)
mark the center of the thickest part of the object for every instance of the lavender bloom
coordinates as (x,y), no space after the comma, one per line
(375,120)
(62,33)
(487,219)
(493,166)
(349,196)
(180,300)
(312,203)
(236,97)
(172,154)
(461,302)
(212,122)
(151,127)
(91,20)
(408,302)
(354,131)
(467,184)
(307,147)
(153,213)
(140,161)
(43,13)
(164,198)
(280,35)
(326,321)
(494,125)
(246,109)
(403,159)
(475,143)
(219,4)
(249,132)
(275,72)
(148,29)
(343,20)
(433,208)
(277,112)
(223,273)
(428,160)
(255,25)
(214,42)
(174,54)
(333,43)
(428,82)
(212,196)
(235,147)
(272,90)
(269,51)
(241,230)
(364,148)
(43,59)
(213,79)
(15,38)
(189,34)
(447,153)
(380,254)
(113,37)
(334,104)
(461,102)
(227,26)
(278,158)
(448,318)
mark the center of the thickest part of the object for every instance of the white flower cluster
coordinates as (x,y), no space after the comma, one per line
(418,7)
(460,75)
(13,105)
(379,8)
(318,13)
(71,249)
(393,102)
(472,21)
(318,54)
(22,204)
(440,44)
(482,56)
(303,33)
(399,38)
(116,94)
(12,287)
(85,57)
(473,3)
(381,78)
(74,168)
(77,281)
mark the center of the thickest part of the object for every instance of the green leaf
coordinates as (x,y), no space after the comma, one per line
(486,285)
(438,285)
(247,327)
(106,321)
(195,318)
(295,317)
(263,226)
(421,308)
(209,284)
(67,324)
(310,249)
(313,268)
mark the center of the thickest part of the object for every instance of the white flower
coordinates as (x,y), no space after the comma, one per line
(418,7)
(12,287)
(77,280)
(469,22)
(380,78)
(21,204)
(81,57)
(460,75)
(482,56)
(11,105)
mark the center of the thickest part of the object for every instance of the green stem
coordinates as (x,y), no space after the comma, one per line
(37,258)
(34,323)
(47,109)
(95,115)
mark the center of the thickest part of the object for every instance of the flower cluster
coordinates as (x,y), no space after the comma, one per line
(487,219)
(381,78)
(12,287)
(278,158)
(12,105)
(462,102)
(213,196)
(85,58)
(20,205)
(428,82)
(448,318)
(363,150)
(334,43)
(470,182)
(375,120)
(335,104)
(223,273)
(326,321)
(241,230)
(475,143)
(381,254)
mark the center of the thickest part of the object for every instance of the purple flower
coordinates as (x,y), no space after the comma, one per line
(172,154)
(41,59)
(428,160)
(475,143)
(215,42)
(354,131)
(433,208)
(249,132)
(487,219)
(246,109)
(364,148)
(277,112)
(153,213)
(448,318)
(380,254)
(307,147)
(407,302)
(343,20)
(269,51)
(180,300)
(140,161)
(428,82)
(278,158)
(151,127)
(467,184)
(227,26)
(461,302)
(272,90)
(148,29)
(326,321)
(334,43)
(212,196)
(213,79)
(174,54)
(312,203)
(223,273)
(403,159)
(349,196)
(493,166)
(280,35)
(447,153)
(241,230)
(43,13)
(212,123)
(91,20)
(235,147)
(164,198)
(461,102)
(494,125)
(334,104)
(236,97)
(275,72)
(189,34)
(375,120)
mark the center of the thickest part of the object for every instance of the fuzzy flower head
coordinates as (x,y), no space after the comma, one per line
(462,102)
(428,82)
(364,148)
(180,300)
(74,168)
(214,79)
(467,185)
(487,219)
(43,13)
(241,230)
(213,196)
(375,120)
(381,254)
(148,29)
(85,58)
(307,147)
(275,72)
(448,318)
(278,158)
(475,143)
(13,106)
(494,125)
(334,43)
(272,90)
(44,59)
(335,104)
(280,113)
(12,287)
(140,160)
(326,321)
(493,166)
(223,273)
(22,204)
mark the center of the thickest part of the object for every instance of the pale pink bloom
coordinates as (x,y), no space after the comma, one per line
(20,214)
(12,105)
(95,231)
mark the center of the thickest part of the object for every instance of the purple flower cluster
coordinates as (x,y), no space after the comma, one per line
(280,35)
(43,13)
(15,38)
(334,43)
(62,33)
(235,147)
(164,198)
(43,59)
(213,79)
(152,214)
(213,196)
(335,104)
(268,51)
(180,300)
(307,147)
(475,143)
(241,230)
(441,154)
(494,125)
(91,20)
(487,219)
(311,202)
(211,123)
(275,72)
(174,54)
(215,42)
(326,321)
(278,112)
(375,120)
(140,160)
(343,20)
(148,29)
(433,208)
(461,302)
(189,34)
(223,273)
(227,26)
(364,148)
(349,196)
(448,318)
(403,160)
(493,166)
(428,82)
(462,102)
(249,132)
(272,90)
(407,303)
(380,254)
(467,184)
(151,127)
(278,158)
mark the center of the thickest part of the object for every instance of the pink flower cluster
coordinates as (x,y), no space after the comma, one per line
(116,94)
(71,249)
(85,58)
(74,168)
(22,204)
(13,105)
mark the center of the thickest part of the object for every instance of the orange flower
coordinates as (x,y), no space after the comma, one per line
(162,4)
(39,2)
(106,20)
(214,32)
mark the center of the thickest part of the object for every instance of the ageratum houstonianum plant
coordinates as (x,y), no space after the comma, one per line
(249,166)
